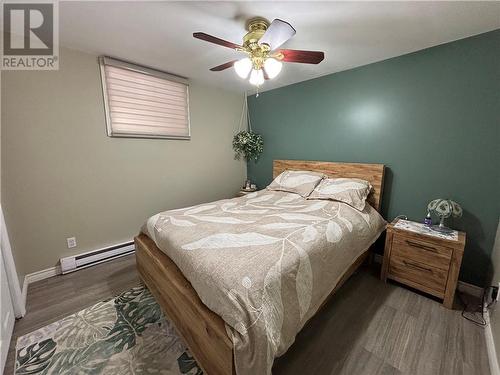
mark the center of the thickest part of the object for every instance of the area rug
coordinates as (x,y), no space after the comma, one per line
(125,335)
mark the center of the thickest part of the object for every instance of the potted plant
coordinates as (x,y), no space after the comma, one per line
(248,145)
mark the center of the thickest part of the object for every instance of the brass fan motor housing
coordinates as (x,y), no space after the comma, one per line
(256,29)
(258,53)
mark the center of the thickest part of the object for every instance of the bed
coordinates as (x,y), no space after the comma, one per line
(240,277)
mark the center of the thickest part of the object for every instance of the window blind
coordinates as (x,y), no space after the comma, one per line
(142,102)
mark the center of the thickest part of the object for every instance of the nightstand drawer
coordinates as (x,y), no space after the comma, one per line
(422,252)
(431,278)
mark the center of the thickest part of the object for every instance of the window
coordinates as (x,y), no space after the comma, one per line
(144,103)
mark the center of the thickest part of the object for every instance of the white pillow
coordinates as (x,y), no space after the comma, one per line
(352,191)
(299,182)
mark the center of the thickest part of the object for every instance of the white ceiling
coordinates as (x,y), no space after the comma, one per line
(159,34)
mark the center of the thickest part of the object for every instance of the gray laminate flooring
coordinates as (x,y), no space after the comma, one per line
(52,299)
(368,328)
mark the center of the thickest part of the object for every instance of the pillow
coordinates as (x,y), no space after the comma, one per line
(348,190)
(299,182)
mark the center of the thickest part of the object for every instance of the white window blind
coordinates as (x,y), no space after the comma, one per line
(144,103)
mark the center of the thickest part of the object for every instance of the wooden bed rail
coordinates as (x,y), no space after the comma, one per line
(203,331)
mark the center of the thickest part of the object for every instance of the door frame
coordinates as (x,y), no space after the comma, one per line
(16,295)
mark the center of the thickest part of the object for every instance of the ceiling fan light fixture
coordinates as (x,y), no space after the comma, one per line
(262,46)
(256,77)
(243,67)
(272,67)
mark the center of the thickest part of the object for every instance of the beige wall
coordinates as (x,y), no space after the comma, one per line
(495,313)
(62,176)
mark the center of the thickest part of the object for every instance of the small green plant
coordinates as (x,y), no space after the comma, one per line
(248,145)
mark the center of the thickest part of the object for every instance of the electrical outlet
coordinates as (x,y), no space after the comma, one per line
(71,242)
(497,297)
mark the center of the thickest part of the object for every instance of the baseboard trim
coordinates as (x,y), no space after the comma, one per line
(462,286)
(490,346)
(24,292)
(42,275)
(470,289)
(37,276)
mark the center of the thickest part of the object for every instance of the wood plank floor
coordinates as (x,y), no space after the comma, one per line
(52,299)
(372,328)
(368,328)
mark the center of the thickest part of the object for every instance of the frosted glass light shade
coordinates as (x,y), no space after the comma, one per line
(243,67)
(256,77)
(272,67)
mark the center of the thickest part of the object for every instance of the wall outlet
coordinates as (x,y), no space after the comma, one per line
(71,242)
(497,297)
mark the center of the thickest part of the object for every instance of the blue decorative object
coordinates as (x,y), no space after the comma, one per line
(428,219)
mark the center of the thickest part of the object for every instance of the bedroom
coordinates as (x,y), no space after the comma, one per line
(270,215)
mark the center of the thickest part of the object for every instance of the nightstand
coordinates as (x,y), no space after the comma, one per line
(423,261)
(243,192)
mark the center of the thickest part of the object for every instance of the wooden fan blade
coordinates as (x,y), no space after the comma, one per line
(304,57)
(277,33)
(215,40)
(218,68)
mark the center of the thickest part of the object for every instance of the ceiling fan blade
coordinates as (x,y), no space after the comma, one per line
(304,57)
(215,40)
(218,68)
(277,33)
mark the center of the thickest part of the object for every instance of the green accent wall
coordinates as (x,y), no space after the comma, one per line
(432,117)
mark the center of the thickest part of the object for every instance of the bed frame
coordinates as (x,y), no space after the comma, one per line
(203,330)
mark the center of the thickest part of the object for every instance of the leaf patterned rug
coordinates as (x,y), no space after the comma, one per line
(125,335)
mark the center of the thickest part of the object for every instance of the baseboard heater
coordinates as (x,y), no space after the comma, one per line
(77,262)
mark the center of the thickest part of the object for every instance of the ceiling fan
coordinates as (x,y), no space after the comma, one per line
(261,44)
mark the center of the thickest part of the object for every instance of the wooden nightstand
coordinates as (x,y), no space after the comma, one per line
(243,192)
(424,262)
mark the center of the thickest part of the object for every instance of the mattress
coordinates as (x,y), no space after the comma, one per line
(264,262)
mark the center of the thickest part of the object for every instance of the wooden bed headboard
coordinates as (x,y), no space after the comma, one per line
(373,173)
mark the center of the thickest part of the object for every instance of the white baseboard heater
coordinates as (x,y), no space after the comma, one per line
(77,262)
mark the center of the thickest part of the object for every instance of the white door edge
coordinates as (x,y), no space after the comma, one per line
(18,302)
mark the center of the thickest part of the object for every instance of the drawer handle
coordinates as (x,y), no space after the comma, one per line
(422,268)
(420,246)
